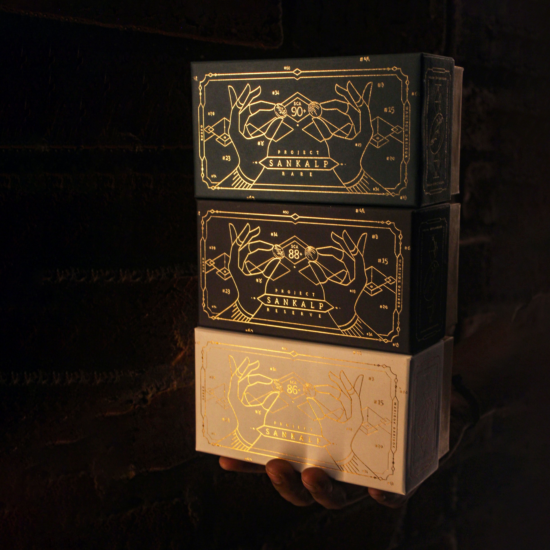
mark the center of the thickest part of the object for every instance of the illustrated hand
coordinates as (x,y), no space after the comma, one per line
(352,138)
(245,137)
(340,431)
(249,411)
(250,274)
(352,261)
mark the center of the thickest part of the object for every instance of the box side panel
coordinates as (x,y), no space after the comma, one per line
(445,417)
(329,274)
(201,257)
(429,278)
(200,388)
(457,129)
(452,274)
(424,415)
(336,130)
(197,75)
(341,409)
(437,132)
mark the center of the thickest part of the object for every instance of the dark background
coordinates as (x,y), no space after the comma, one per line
(99,289)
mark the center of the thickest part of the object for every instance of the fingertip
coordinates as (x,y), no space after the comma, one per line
(232,95)
(377,494)
(329,493)
(339,89)
(227,464)
(391,500)
(315,480)
(362,242)
(243,366)
(345,380)
(359,384)
(276,470)
(255,232)
(348,240)
(278,466)
(240,466)
(367,93)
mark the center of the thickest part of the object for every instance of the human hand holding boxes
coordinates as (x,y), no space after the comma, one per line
(361,131)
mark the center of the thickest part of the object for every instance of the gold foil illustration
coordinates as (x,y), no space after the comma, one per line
(313,131)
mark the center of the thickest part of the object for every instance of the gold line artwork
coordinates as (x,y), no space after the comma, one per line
(433,237)
(322,411)
(333,276)
(307,131)
(438,102)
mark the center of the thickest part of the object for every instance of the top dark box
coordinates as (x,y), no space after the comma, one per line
(370,130)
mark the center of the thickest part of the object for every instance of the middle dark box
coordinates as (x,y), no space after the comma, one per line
(356,276)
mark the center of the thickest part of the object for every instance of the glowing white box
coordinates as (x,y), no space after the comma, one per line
(366,417)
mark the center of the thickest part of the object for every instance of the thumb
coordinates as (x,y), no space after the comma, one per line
(367,93)
(352,90)
(359,384)
(232,95)
(361,244)
(232,233)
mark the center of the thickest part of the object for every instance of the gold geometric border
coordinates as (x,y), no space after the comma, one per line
(298,74)
(297,219)
(293,355)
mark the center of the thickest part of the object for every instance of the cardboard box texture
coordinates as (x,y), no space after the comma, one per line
(367,277)
(445,417)
(365,417)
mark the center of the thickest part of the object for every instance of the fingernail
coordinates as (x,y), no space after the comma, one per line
(275,478)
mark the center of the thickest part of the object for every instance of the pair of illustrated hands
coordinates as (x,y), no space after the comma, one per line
(253,123)
(252,262)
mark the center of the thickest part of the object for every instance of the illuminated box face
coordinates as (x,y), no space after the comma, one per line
(368,418)
(367,277)
(371,130)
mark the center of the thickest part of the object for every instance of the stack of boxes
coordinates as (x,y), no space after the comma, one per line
(328,259)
